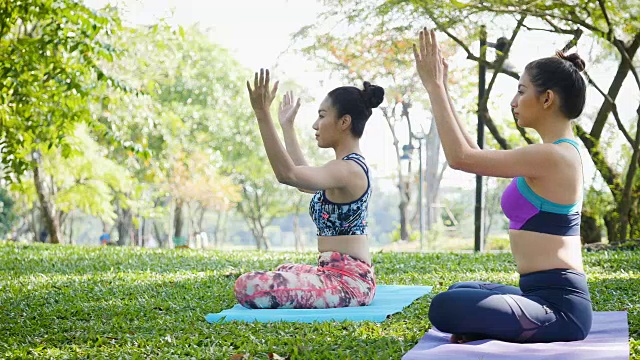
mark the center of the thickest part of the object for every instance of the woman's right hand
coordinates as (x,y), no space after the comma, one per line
(429,60)
(288,109)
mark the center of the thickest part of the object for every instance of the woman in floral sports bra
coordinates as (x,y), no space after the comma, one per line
(543,204)
(342,187)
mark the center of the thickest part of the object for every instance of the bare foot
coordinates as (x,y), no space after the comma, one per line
(461,339)
(456,339)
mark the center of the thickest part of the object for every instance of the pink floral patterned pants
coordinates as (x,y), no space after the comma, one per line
(338,281)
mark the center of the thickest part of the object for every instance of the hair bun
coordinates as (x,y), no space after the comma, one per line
(574,59)
(373,95)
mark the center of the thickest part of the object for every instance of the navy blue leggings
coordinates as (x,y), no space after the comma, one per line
(550,305)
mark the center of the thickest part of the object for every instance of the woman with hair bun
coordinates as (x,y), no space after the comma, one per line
(344,275)
(543,204)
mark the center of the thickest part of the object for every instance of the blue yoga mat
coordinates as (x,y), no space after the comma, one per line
(389,299)
(607,340)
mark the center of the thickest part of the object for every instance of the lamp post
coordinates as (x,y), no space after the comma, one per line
(499,45)
(482,73)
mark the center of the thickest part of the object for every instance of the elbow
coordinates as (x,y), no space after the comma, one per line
(459,162)
(455,164)
(453,160)
(285,178)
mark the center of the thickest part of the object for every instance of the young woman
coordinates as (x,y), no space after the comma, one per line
(543,205)
(342,188)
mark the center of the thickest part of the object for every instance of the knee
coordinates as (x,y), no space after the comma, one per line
(440,311)
(242,288)
(465,285)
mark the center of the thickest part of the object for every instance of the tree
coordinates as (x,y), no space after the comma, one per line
(609,24)
(82,181)
(48,69)
(47,72)
(183,115)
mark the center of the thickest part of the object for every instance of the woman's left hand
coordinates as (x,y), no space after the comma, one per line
(261,97)
(429,62)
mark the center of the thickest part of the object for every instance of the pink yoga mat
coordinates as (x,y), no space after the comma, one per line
(608,340)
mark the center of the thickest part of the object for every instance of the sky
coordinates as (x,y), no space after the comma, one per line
(258,33)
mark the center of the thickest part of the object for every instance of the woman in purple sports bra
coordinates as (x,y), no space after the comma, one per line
(543,204)
(344,275)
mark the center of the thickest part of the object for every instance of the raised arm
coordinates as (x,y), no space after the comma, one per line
(287,114)
(334,174)
(531,161)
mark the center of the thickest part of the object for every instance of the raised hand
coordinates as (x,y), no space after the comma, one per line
(261,97)
(429,60)
(288,109)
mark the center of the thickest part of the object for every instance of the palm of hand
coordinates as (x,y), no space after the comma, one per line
(260,96)
(288,109)
(429,62)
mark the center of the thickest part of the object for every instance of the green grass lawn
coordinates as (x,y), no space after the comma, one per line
(120,303)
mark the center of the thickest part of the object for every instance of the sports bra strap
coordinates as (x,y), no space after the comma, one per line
(575,145)
(570,141)
(358,161)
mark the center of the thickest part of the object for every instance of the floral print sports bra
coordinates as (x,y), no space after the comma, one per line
(334,219)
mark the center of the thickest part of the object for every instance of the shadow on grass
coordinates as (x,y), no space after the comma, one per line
(81,316)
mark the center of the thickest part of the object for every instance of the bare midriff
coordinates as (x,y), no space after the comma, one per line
(535,251)
(356,246)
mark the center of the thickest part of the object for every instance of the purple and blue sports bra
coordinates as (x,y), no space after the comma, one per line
(529,211)
(334,219)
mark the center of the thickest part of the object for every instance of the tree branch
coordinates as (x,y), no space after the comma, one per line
(614,89)
(500,62)
(609,175)
(491,125)
(483,108)
(574,19)
(623,51)
(577,33)
(606,18)
(614,107)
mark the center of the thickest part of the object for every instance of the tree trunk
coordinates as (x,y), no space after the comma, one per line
(403,188)
(627,197)
(178,220)
(611,221)
(125,224)
(253,213)
(404,231)
(433,174)
(162,242)
(71,221)
(200,217)
(589,230)
(34,222)
(52,222)
(143,228)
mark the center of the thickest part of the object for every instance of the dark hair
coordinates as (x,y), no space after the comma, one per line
(561,74)
(349,100)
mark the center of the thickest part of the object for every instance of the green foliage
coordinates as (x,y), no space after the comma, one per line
(84,180)
(48,71)
(597,204)
(107,302)
(414,235)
